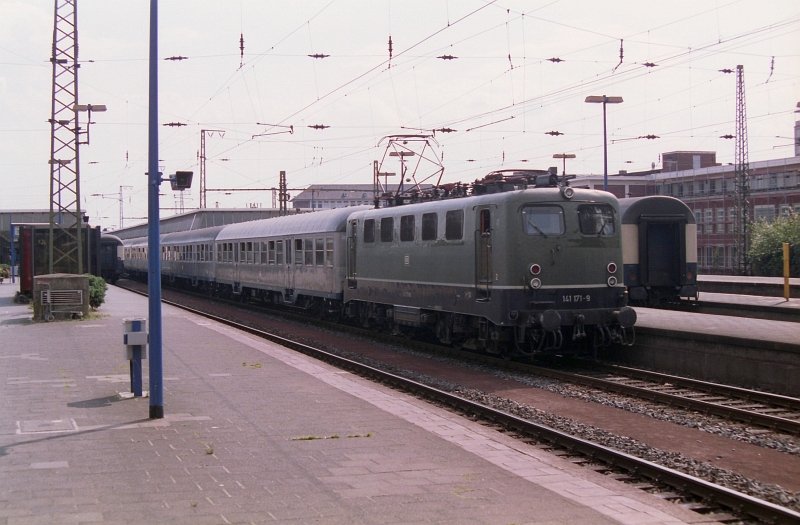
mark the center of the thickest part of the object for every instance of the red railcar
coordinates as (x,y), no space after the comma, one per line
(34,253)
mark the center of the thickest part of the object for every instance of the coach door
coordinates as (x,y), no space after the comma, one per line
(664,252)
(352,237)
(483,255)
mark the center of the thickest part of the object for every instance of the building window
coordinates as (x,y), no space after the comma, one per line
(764,212)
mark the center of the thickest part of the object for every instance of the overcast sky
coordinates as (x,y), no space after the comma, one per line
(501,92)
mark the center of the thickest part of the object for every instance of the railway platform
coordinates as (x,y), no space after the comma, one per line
(255,433)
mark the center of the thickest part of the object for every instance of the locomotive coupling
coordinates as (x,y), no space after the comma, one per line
(626,316)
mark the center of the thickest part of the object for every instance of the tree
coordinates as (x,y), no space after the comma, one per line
(766,245)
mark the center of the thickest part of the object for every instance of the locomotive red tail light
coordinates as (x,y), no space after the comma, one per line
(612,267)
(535,269)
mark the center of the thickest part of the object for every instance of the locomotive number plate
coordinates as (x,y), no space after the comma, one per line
(576,298)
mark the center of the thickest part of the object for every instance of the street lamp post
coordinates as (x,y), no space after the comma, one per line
(603,99)
(564,157)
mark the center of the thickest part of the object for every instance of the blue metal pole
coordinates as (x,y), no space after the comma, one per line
(605,147)
(153,230)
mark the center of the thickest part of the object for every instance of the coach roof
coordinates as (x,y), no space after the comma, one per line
(325,221)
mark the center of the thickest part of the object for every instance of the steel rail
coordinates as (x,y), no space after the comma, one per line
(790,426)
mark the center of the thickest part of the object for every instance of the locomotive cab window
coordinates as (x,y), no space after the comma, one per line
(596,219)
(543,220)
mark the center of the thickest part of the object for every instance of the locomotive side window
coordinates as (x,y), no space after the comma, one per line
(369,230)
(596,219)
(387,229)
(407,228)
(429,226)
(543,220)
(454,225)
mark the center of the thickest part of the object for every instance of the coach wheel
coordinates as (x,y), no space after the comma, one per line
(444,330)
(363,316)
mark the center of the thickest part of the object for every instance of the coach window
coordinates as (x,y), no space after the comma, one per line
(454,225)
(298,251)
(430,224)
(319,252)
(329,251)
(271,252)
(308,248)
(543,220)
(369,230)
(278,252)
(387,229)
(407,228)
(596,219)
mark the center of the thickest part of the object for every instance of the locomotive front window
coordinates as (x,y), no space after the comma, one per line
(596,219)
(543,220)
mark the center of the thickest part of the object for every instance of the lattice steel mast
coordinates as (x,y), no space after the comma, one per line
(65,202)
(741,221)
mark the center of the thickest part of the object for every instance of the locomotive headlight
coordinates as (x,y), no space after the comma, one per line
(567,192)
(612,281)
(536,283)
(612,267)
(535,269)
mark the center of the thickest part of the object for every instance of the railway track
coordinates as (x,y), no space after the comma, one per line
(771,411)
(716,501)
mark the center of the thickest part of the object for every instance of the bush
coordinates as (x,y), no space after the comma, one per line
(97,291)
(766,245)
